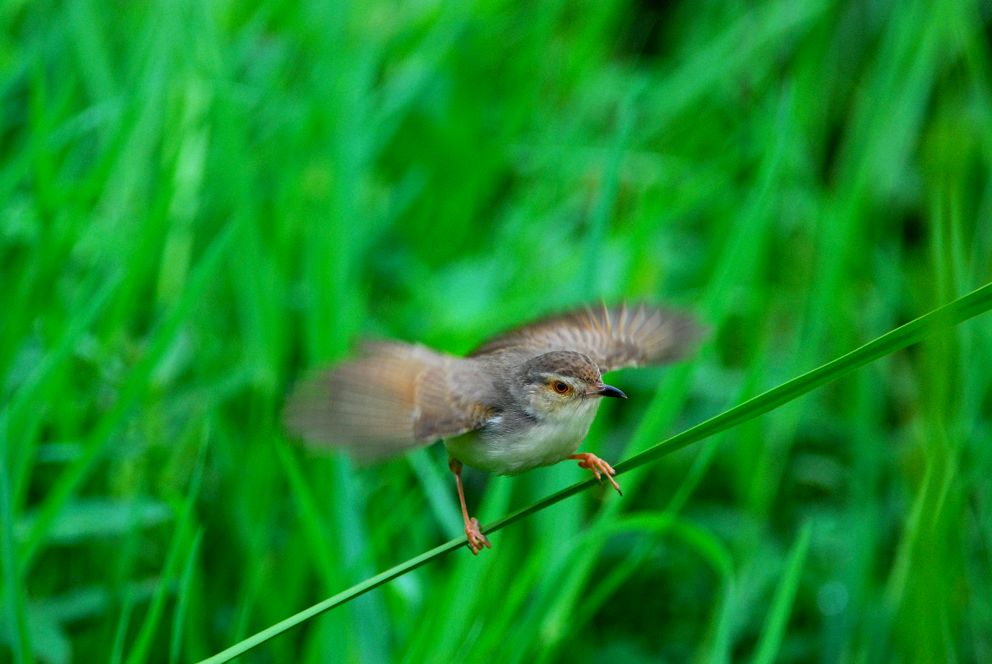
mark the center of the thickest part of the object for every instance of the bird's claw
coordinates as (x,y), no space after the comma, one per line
(599,468)
(476,540)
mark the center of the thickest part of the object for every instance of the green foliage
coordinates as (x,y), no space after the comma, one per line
(198,202)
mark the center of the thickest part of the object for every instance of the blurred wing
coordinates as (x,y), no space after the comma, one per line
(392,398)
(613,337)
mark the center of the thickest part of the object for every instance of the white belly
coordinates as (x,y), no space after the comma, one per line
(542,444)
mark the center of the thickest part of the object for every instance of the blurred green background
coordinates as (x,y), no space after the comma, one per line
(201,201)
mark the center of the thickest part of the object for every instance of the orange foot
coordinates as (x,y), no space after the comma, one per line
(476,540)
(598,468)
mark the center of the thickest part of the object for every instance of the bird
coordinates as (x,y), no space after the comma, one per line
(525,398)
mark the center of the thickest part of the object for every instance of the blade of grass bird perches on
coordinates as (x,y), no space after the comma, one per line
(958,311)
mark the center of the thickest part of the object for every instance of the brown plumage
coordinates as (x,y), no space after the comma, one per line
(395,396)
(524,399)
(391,398)
(613,337)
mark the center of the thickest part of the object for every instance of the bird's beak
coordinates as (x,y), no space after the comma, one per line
(608,391)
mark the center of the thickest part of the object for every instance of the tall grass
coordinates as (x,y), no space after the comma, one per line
(198,202)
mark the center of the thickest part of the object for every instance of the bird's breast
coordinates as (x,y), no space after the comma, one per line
(510,445)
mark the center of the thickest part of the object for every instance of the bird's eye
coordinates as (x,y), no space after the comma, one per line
(560,387)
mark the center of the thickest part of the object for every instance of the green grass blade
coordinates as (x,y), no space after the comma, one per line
(785,594)
(14,609)
(182,598)
(607,199)
(965,307)
(186,522)
(336,600)
(968,306)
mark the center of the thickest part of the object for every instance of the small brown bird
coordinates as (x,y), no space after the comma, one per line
(524,399)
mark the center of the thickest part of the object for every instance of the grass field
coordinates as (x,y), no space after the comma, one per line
(201,201)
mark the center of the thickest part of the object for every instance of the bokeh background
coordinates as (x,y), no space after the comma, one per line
(201,201)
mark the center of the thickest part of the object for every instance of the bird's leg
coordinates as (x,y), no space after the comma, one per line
(598,468)
(476,540)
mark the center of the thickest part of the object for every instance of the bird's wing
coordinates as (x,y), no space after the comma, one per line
(392,398)
(613,337)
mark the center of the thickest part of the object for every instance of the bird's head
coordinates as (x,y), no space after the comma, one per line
(563,383)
